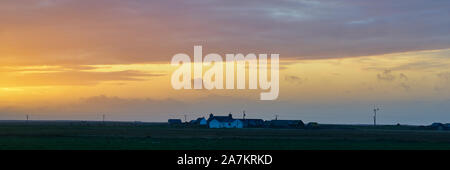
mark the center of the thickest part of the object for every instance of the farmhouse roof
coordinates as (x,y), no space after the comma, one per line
(199,119)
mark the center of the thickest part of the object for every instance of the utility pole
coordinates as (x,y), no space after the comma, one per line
(375,109)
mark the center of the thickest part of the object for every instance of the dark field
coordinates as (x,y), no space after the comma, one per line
(121,135)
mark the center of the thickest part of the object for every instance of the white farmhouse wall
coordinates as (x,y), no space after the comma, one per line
(203,122)
(234,124)
(215,124)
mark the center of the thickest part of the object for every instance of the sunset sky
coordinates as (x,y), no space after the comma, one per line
(79,59)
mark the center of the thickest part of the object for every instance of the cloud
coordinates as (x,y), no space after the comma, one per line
(45,69)
(390,76)
(422,65)
(444,76)
(427,60)
(386,75)
(113,31)
(403,77)
(443,83)
(293,79)
(70,78)
(404,86)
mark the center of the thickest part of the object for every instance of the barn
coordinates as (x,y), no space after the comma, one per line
(286,124)
(252,123)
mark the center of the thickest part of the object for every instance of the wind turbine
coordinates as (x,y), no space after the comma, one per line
(243,110)
(375,109)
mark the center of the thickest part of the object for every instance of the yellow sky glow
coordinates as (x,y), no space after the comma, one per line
(393,76)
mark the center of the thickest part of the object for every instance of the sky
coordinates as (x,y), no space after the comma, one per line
(80,59)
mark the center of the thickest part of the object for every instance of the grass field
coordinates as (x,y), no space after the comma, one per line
(122,135)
